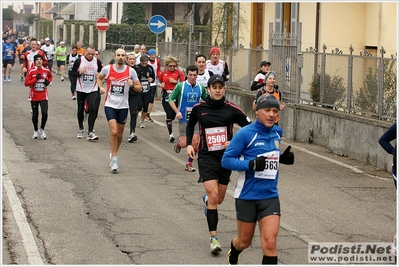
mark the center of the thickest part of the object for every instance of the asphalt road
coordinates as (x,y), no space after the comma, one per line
(62,205)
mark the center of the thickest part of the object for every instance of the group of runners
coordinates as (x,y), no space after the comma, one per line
(206,118)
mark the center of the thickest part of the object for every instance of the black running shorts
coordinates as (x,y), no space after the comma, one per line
(255,210)
(213,172)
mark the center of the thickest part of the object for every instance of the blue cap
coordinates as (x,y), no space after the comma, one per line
(151,51)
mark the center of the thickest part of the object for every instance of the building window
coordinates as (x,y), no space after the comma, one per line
(286,17)
(165,10)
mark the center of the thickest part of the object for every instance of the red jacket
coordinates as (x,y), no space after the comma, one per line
(166,74)
(38,90)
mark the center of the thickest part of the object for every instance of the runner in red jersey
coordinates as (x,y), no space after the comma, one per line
(30,54)
(38,78)
(168,80)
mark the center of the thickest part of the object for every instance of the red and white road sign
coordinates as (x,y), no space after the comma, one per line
(102,24)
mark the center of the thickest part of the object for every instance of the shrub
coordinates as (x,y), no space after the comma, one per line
(366,99)
(334,89)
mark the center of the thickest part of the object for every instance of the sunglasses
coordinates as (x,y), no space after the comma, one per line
(172,66)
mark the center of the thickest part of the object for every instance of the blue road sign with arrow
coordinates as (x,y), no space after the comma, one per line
(157,24)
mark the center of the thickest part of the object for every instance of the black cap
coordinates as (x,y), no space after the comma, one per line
(264,63)
(37,56)
(267,101)
(143,58)
(215,78)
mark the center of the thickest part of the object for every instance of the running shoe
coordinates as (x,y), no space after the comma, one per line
(230,260)
(148,118)
(132,137)
(142,125)
(205,200)
(215,246)
(92,136)
(171,138)
(114,164)
(80,134)
(35,134)
(177,148)
(189,167)
(9,79)
(21,78)
(43,134)
(62,78)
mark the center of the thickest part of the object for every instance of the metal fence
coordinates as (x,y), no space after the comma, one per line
(361,84)
(358,82)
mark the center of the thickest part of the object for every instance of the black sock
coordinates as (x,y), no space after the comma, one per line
(212,219)
(234,253)
(269,259)
(169,126)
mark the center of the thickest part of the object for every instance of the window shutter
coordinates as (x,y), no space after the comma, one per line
(279,18)
(294,18)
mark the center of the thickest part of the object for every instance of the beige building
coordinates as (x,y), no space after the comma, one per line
(367,25)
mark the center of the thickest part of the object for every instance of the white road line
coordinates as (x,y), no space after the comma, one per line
(31,249)
(326,158)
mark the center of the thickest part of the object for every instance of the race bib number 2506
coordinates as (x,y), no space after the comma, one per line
(216,138)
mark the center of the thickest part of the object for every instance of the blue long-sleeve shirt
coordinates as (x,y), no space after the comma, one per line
(247,144)
(387,137)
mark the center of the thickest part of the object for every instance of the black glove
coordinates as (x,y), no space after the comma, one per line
(38,76)
(46,82)
(257,164)
(287,157)
(276,86)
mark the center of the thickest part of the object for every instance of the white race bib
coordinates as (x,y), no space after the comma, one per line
(216,138)
(271,166)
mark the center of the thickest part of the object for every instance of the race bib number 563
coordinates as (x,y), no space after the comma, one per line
(271,166)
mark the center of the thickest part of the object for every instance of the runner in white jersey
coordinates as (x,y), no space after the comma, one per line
(203,73)
(155,63)
(143,51)
(71,58)
(120,78)
(216,65)
(85,68)
(49,50)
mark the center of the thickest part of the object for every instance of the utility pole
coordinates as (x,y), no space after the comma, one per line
(191,32)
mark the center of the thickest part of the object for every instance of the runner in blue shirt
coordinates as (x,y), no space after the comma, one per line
(187,94)
(254,152)
(8,58)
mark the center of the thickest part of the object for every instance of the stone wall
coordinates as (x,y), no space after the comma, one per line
(342,133)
